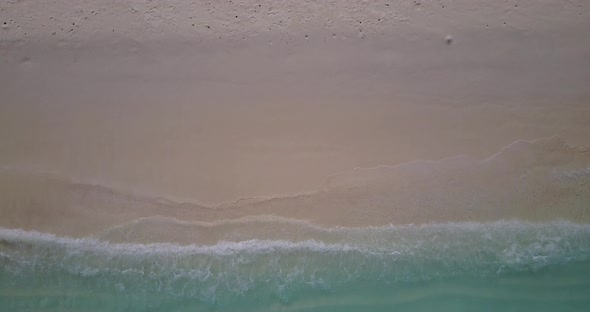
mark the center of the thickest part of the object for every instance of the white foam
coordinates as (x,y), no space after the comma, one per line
(385,254)
(488,231)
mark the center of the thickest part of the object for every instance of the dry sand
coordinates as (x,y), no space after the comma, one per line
(210,102)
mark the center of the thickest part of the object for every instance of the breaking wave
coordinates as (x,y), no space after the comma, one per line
(323,259)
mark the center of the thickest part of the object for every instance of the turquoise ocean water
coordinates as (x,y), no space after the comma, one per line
(499,266)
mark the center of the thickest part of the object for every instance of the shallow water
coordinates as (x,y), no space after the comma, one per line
(498,266)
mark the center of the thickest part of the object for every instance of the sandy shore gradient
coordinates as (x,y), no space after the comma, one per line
(107,105)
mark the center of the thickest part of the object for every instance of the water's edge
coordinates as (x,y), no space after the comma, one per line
(508,262)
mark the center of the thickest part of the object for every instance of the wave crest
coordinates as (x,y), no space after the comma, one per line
(330,258)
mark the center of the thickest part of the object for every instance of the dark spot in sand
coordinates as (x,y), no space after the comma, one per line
(449,40)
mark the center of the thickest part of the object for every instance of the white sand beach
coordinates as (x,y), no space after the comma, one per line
(213,102)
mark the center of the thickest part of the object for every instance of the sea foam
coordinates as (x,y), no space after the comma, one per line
(334,257)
